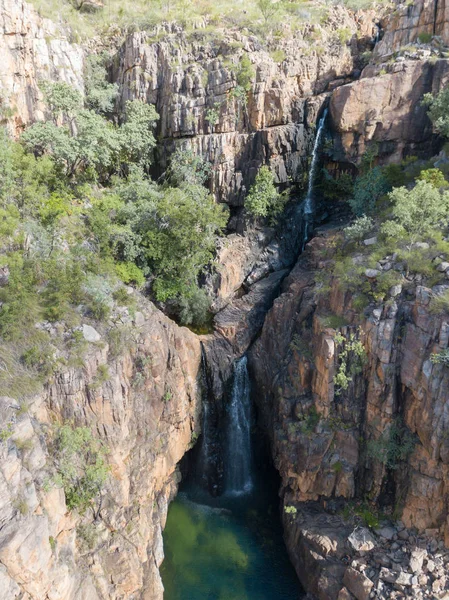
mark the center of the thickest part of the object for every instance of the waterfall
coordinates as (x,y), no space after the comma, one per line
(238,447)
(308,209)
(205,467)
(377,36)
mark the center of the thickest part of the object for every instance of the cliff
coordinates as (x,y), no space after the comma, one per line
(147,413)
(148,410)
(330,444)
(33,49)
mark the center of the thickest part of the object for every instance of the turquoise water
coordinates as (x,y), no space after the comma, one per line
(227,548)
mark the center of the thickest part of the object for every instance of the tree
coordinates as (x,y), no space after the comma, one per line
(368,188)
(136,134)
(62,99)
(417,212)
(438,110)
(433,176)
(100,94)
(263,198)
(81,467)
(187,168)
(359,229)
(79,139)
(179,239)
(268,8)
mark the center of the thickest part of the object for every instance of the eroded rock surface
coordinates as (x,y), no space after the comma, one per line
(147,412)
(32,50)
(320,435)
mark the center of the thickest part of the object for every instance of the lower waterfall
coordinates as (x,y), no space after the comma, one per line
(229,547)
(238,447)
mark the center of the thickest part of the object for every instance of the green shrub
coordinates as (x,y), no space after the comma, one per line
(263,199)
(416,213)
(440,358)
(339,188)
(359,229)
(440,303)
(129,272)
(81,467)
(433,177)
(438,109)
(425,38)
(393,446)
(368,189)
(351,356)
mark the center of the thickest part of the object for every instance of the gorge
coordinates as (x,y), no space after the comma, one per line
(305,421)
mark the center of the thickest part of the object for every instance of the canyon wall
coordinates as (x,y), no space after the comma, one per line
(384,107)
(147,413)
(193,80)
(327,442)
(33,49)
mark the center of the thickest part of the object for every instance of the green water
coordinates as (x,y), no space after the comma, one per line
(227,548)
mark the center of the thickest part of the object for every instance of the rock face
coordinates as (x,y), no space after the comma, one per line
(33,49)
(147,412)
(195,85)
(386,109)
(323,438)
(409,20)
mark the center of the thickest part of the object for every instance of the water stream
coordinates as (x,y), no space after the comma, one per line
(238,448)
(230,547)
(309,204)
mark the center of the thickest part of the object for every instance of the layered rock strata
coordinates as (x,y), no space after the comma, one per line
(32,50)
(147,413)
(323,438)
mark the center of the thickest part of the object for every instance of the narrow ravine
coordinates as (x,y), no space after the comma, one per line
(230,546)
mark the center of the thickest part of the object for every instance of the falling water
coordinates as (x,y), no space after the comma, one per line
(308,203)
(238,452)
(205,466)
(377,36)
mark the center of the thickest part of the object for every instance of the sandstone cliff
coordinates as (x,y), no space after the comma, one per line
(32,49)
(147,411)
(384,106)
(322,438)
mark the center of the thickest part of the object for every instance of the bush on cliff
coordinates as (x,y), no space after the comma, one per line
(263,199)
(416,213)
(81,467)
(438,108)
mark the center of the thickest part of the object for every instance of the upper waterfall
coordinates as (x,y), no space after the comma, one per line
(309,207)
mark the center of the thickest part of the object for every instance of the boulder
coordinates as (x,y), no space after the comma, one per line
(358,584)
(361,540)
(416,560)
(443,267)
(372,273)
(90,334)
(386,532)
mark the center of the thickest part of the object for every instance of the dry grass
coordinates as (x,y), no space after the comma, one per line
(143,14)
